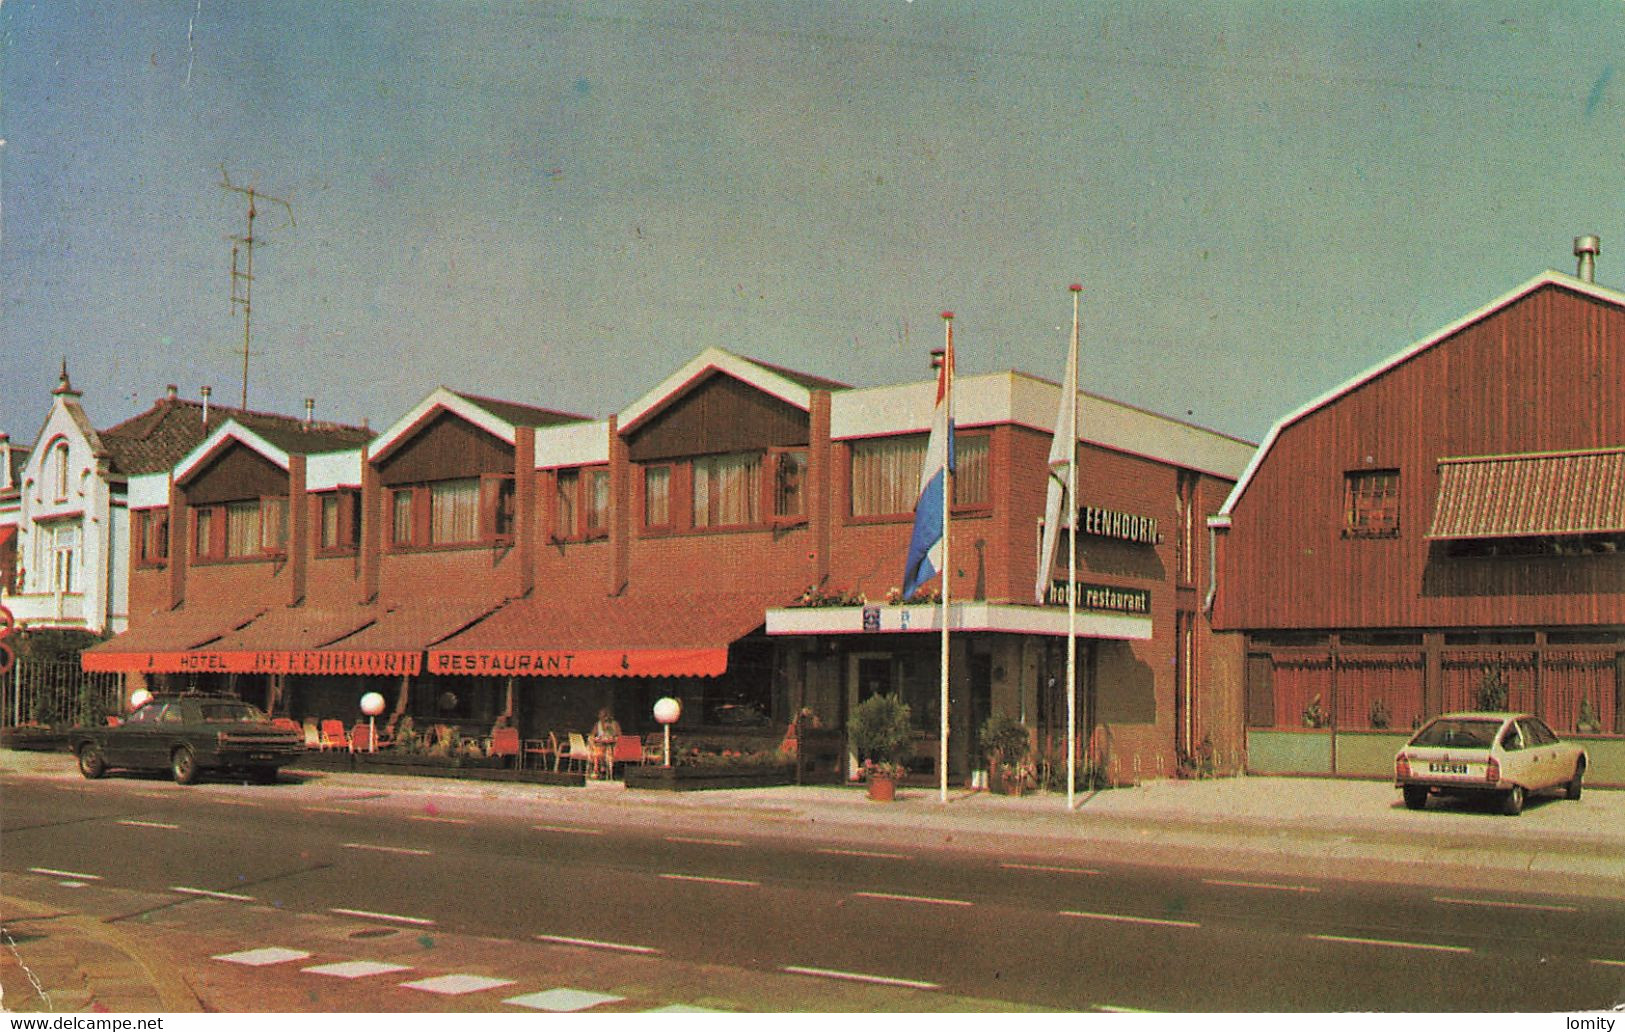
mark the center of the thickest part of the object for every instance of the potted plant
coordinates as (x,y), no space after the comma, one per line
(1008,748)
(878,731)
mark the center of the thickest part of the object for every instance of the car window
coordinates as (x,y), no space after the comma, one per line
(172,715)
(229,712)
(1511,739)
(1536,733)
(144,715)
(1457,734)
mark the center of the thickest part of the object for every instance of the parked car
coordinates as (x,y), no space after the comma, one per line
(1510,754)
(188,734)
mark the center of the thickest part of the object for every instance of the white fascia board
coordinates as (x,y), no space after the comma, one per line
(988,617)
(980,400)
(439,398)
(572,444)
(230,430)
(149,491)
(760,377)
(329,470)
(1548,278)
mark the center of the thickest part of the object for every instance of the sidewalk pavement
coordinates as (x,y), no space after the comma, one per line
(1261,826)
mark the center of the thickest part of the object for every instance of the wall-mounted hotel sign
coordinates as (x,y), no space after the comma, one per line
(1102,598)
(1119,526)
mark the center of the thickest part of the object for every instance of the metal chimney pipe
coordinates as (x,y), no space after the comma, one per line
(1586,248)
(310,411)
(207,390)
(172,392)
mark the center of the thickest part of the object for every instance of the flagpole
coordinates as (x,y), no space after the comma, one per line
(1072,569)
(947,561)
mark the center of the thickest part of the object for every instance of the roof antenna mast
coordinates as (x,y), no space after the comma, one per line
(242,276)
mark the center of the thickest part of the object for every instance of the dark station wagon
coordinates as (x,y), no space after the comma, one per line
(188,734)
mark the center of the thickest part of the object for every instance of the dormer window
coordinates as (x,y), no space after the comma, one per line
(254,528)
(448,513)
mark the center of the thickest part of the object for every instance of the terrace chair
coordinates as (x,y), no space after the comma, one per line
(285,723)
(654,749)
(505,743)
(628,749)
(360,738)
(538,750)
(333,736)
(578,752)
(313,735)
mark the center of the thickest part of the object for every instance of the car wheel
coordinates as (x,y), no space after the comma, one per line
(183,765)
(1573,790)
(91,762)
(1416,796)
(1512,802)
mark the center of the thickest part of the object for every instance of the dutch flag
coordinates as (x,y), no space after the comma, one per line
(925,558)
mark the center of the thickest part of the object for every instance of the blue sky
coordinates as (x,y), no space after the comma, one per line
(560,204)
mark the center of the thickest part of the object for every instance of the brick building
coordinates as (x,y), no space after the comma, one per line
(1446,531)
(483,562)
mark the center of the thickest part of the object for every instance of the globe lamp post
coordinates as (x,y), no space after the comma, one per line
(667,711)
(372,704)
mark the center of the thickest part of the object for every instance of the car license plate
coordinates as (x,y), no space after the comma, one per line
(268,756)
(1447,768)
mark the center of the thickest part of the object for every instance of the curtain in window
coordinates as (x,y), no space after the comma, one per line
(454,512)
(790,476)
(401,522)
(886,475)
(569,483)
(330,521)
(597,500)
(242,529)
(656,496)
(202,531)
(727,490)
(274,525)
(970,470)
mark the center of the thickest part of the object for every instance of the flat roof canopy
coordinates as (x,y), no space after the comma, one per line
(993,617)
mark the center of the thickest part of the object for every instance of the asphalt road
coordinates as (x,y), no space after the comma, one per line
(1032,929)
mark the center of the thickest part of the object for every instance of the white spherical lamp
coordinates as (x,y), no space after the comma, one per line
(667,711)
(138,698)
(372,704)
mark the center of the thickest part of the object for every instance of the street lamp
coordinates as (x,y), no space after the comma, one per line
(372,704)
(667,711)
(138,698)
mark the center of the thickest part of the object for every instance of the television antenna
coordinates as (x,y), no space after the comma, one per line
(242,263)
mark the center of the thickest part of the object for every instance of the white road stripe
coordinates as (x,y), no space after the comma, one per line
(566,940)
(565,829)
(1278,887)
(1050,868)
(404,850)
(1562,908)
(331,809)
(438,820)
(915,899)
(1395,943)
(150,824)
(1106,1008)
(374,915)
(704,841)
(237,802)
(1130,919)
(1608,963)
(211,894)
(866,853)
(64,874)
(853,976)
(710,880)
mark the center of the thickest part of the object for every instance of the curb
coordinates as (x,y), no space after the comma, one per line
(93,965)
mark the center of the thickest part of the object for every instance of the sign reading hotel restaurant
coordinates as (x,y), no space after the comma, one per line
(392,664)
(1102,598)
(701,662)
(1119,526)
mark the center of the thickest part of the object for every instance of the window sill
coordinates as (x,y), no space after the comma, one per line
(455,546)
(240,560)
(979,512)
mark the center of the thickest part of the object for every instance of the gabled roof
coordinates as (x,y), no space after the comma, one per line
(498,418)
(159,438)
(1545,279)
(272,441)
(785,384)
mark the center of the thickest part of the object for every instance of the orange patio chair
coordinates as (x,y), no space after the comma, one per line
(361,738)
(542,751)
(505,743)
(628,749)
(333,736)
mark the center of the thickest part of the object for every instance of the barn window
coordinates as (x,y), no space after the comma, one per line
(1372,504)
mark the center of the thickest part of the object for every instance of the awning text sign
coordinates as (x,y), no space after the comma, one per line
(310,661)
(703,662)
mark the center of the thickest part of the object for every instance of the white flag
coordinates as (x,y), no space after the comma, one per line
(1061,451)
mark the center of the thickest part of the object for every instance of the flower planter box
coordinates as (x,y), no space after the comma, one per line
(34,739)
(689,779)
(477,768)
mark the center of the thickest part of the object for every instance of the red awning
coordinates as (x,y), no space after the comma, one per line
(1537,495)
(629,636)
(163,642)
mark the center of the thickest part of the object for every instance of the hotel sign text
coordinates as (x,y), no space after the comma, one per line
(1119,526)
(1102,598)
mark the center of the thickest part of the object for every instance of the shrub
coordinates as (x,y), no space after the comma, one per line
(878,730)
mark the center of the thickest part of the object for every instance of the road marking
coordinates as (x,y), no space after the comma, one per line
(710,880)
(263,957)
(457,985)
(150,824)
(404,850)
(704,841)
(64,874)
(1106,1008)
(151,795)
(355,969)
(1608,963)
(438,820)
(1396,943)
(915,899)
(866,853)
(853,976)
(211,894)
(380,917)
(565,829)
(332,809)
(566,940)
(1050,868)
(1260,885)
(1130,919)
(1563,908)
